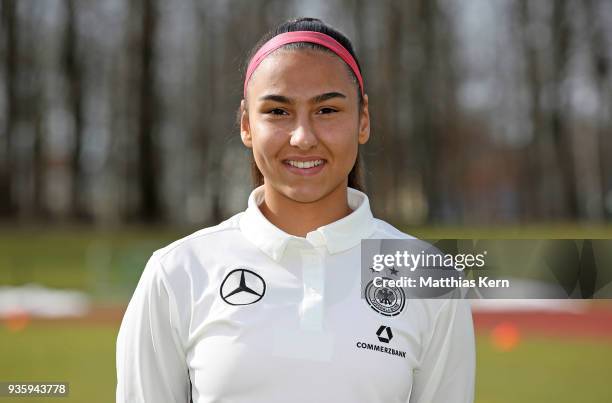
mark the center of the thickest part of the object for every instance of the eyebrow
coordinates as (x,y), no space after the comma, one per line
(314,100)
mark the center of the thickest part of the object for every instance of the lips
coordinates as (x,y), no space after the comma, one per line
(304,166)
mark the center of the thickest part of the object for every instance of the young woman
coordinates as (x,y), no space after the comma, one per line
(267,306)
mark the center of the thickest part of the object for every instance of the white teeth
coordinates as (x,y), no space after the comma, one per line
(305,164)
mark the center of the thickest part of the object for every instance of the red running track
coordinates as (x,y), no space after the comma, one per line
(593,323)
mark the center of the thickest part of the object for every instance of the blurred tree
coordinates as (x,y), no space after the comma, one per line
(380,152)
(86,112)
(149,163)
(538,173)
(433,97)
(7,166)
(598,21)
(560,125)
(74,77)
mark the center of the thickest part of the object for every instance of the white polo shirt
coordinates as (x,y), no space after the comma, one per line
(243,312)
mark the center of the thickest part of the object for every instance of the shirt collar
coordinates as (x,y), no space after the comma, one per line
(337,236)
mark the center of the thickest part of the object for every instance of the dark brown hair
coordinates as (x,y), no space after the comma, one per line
(356,176)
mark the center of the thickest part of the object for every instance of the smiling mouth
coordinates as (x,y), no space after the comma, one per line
(304,164)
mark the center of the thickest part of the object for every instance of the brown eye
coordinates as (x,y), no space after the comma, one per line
(326,111)
(277,111)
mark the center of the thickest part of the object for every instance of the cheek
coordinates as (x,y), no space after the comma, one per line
(342,140)
(350,154)
(270,128)
(266,142)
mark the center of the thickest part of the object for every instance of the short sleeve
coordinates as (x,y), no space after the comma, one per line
(448,364)
(151,365)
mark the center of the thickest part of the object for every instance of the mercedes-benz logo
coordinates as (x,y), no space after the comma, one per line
(242,287)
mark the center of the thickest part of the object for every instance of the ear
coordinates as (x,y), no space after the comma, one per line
(245,128)
(364,122)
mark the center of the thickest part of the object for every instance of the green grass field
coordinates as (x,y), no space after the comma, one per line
(544,370)
(107,264)
(81,355)
(537,370)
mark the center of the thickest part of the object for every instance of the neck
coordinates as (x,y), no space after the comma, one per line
(297,218)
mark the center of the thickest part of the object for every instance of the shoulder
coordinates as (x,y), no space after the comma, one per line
(210,235)
(185,263)
(197,248)
(384,230)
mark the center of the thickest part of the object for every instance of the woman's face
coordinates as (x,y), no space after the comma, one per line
(303,123)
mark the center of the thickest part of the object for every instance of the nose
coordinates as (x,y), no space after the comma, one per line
(303,136)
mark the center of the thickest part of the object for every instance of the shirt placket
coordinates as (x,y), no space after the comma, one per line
(312,311)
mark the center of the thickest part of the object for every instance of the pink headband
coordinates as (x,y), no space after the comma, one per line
(302,36)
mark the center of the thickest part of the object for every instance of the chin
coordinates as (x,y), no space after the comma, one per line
(305,194)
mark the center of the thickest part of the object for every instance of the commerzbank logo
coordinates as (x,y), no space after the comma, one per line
(384,334)
(242,287)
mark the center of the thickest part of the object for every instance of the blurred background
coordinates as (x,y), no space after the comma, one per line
(490,119)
